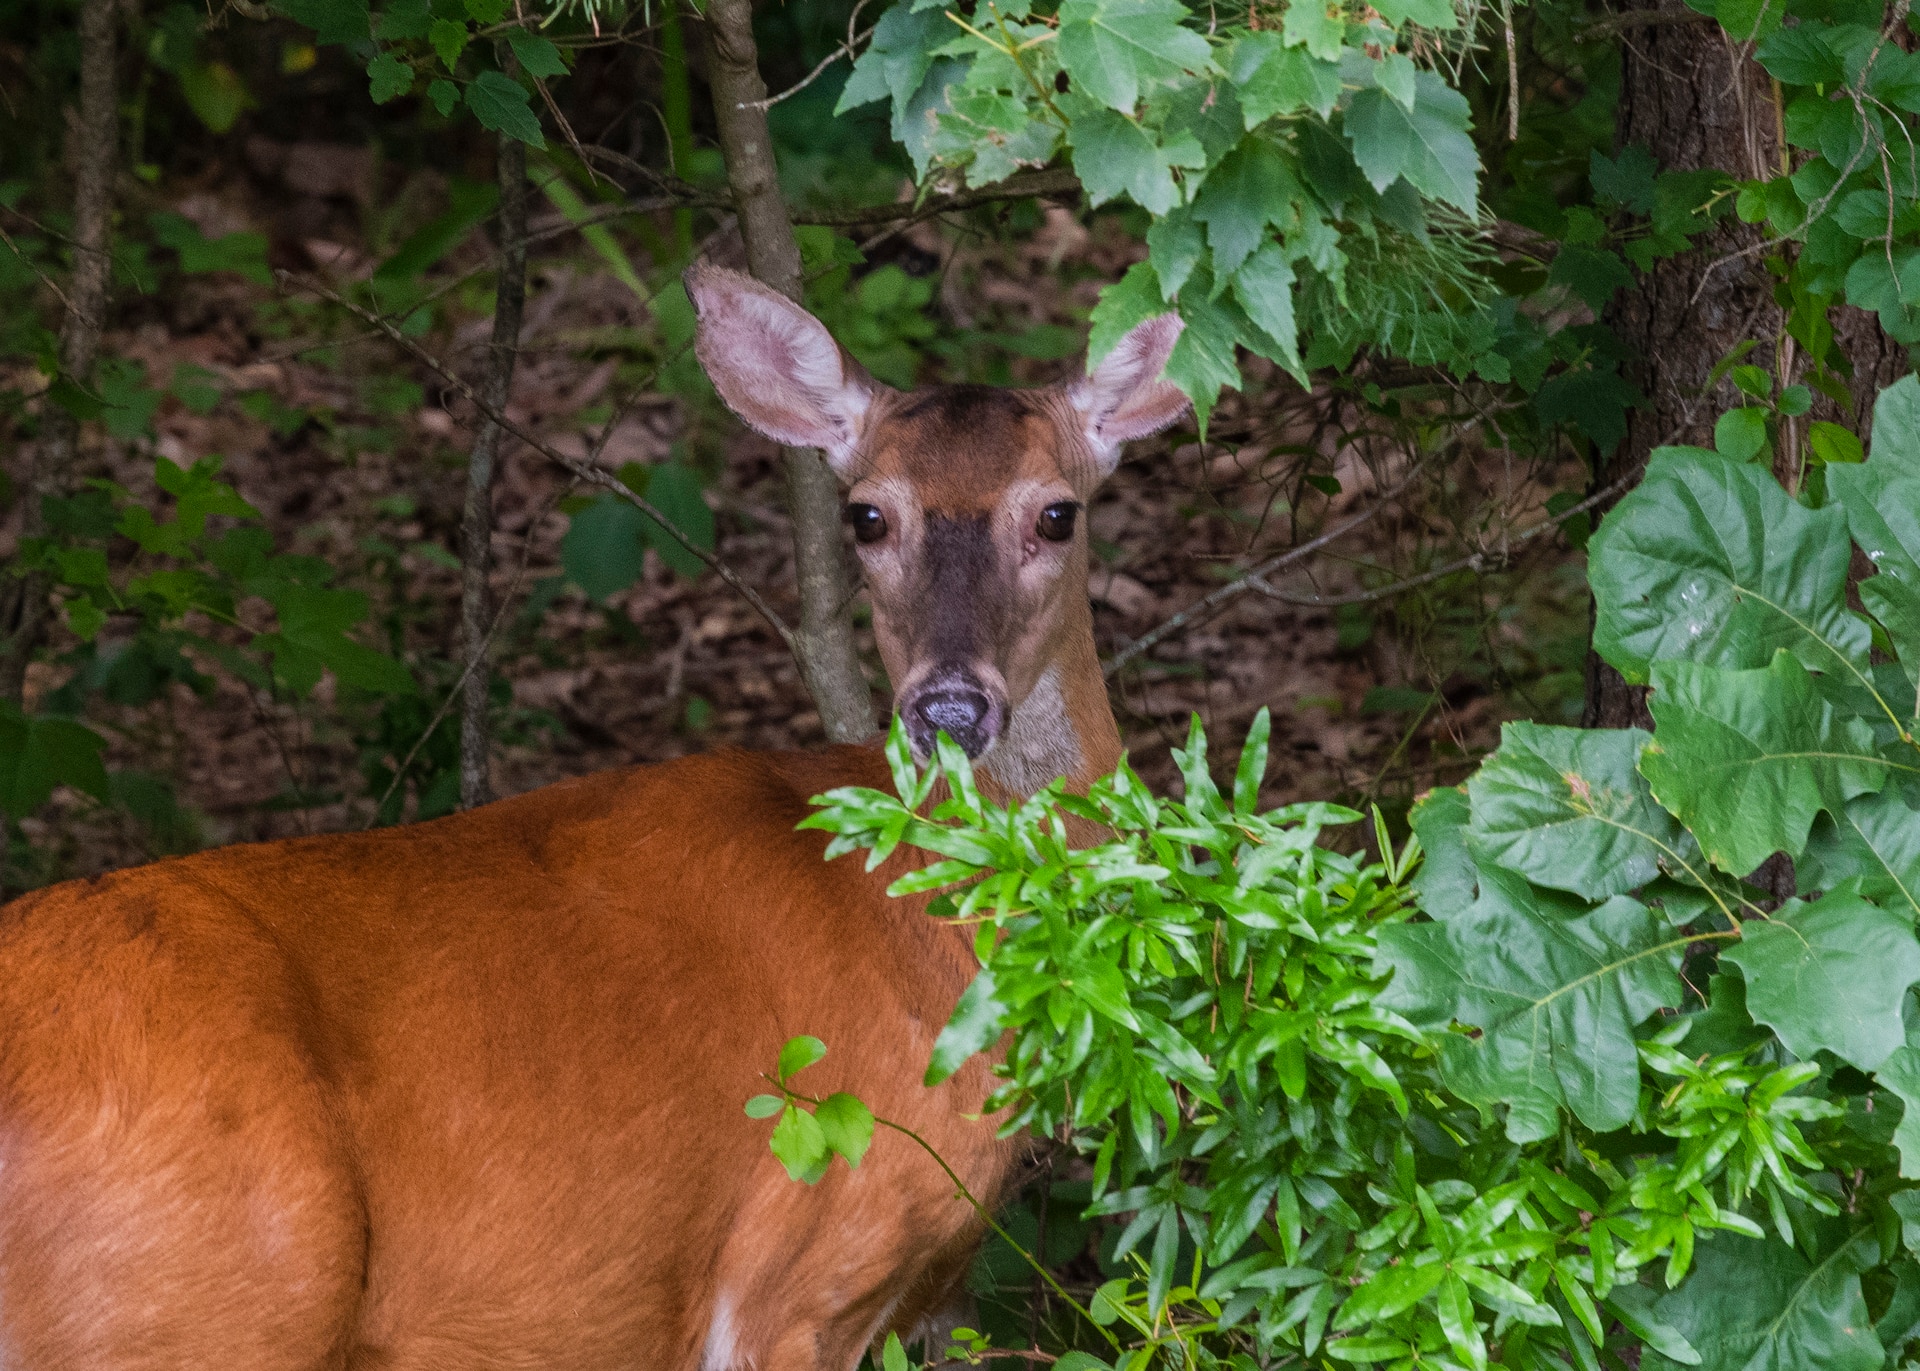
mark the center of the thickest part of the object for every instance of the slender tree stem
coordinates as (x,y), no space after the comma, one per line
(823,639)
(92,154)
(476,525)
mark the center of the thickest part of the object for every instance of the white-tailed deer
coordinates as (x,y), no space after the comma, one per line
(468,1094)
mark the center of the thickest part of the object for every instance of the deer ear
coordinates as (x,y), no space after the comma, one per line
(1126,397)
(776,365)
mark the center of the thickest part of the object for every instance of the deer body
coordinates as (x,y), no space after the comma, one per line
(468,1094)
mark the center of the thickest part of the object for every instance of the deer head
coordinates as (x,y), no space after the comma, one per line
(966,504)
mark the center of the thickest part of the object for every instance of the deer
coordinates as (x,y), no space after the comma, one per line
(468,1093)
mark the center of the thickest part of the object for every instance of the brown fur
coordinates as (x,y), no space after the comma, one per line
(468,1094)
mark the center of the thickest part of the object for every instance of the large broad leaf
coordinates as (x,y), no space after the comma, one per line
(1113,48)
(1830,976)
(1874,841)
(1427,144)
(1711,561)
(1556,998)
(1114,156)
(1445,880)
(1747,758)
(1900,1073)
(39,754)
(1760,1306)
(1566,808)
(1882,501)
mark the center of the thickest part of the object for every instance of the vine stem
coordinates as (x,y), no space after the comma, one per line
(960,1187)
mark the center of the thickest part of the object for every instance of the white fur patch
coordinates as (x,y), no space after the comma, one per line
(1039,744)
(722,1351)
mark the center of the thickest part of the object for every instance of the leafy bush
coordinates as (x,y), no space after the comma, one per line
(1606,1094)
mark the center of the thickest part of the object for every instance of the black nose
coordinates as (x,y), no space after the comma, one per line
(963,712)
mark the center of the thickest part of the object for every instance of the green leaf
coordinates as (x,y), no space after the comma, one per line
(538,56)
(1760,1306)
(1130,301)
(1741,434)
(1264,287)
(1446,879)
(445,96)
(1567,808)
(216,94)
(1710,561)
(1175,245)
(765,1106)
(1829,975)
(404,19)
(675,490)
(1428,145)
(1747,758)
(1317,24)
(1115,156)
(1204,359)
(800,1053)
(333,21)
(603,549)
(388,78)
(1113,49)
(1593,274)
(500,104)
(1430,14)
(975,1025)
(847,1124)
(898,58)
(1276,79)
(448,38)
(1250,188)
(1900,1073)
(1797,57)
(38,754)
(1874,841)
(1831,444)
(1558,999)
(893,1357)
(800,1145)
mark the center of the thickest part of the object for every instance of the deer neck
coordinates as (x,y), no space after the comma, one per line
(1064,727)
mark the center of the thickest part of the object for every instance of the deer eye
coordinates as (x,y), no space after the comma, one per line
(1056,521)
(869,524)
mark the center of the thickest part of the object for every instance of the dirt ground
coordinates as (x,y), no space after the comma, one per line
(1369,702)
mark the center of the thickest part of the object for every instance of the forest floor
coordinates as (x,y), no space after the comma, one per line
(1370,702)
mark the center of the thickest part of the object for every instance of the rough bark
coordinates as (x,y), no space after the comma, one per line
(476,525)
(92,155)
(824,643)
(1690,99)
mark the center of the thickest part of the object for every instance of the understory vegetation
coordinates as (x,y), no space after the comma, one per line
(1538,989)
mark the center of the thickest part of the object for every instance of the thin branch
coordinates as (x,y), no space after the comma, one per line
(591,475)
(844,50)
(1255,580)
(1491,560)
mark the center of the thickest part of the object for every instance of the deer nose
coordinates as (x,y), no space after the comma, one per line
(961,710)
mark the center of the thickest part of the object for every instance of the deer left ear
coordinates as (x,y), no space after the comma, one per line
(1127,397)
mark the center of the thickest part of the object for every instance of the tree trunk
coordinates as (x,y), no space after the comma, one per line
(476,525)
(92,157)
(1688,97)
(824,641)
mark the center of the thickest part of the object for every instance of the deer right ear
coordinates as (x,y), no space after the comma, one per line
(776,365)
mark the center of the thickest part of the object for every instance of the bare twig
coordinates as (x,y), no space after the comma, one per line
(1489,560)
(844,50)
(591,475)
(1255,580)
